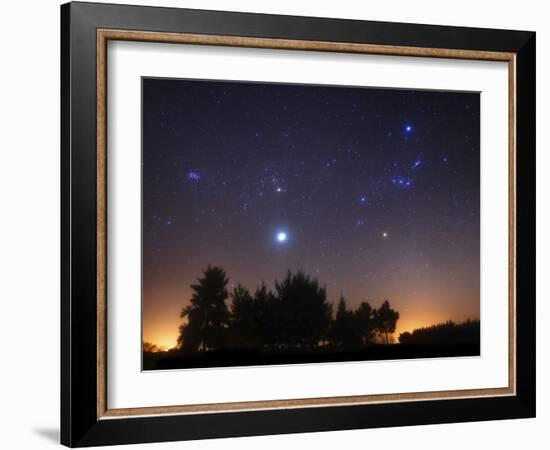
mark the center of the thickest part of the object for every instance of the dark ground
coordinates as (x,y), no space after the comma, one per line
(253,357)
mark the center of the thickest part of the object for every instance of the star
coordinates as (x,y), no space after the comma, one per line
(281,237)
(408,128)
(385,234)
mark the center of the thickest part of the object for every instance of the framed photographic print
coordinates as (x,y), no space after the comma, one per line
(276,224)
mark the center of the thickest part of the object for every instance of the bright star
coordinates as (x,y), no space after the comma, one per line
(385,234)
(281,236)
(408,128)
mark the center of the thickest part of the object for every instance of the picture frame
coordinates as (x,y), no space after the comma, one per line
(86,418)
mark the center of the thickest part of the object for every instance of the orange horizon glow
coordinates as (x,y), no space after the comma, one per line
(421,302)
(163,331)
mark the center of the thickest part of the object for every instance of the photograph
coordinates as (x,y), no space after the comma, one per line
(300,223)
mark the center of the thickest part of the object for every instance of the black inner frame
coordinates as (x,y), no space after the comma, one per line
(79,423)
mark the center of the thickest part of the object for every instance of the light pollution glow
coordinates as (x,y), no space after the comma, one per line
(416,311)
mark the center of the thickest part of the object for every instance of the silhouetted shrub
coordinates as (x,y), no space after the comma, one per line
(444,333)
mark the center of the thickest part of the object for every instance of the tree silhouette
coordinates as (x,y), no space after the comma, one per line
(385,321)
(269,316)
(305,310)
(345,330)
(296,315)
(366,318)
(207,315)
(339,325)
(245,319)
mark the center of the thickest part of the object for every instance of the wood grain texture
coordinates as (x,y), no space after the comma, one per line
(512,263)
(306,402)
(103,35)
(237,41)
(101,223)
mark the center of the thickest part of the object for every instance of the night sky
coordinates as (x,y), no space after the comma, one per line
(373,191)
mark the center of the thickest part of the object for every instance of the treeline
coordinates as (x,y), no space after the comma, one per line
(444,333)
(295,315)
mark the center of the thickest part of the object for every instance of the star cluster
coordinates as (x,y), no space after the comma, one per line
(374,191)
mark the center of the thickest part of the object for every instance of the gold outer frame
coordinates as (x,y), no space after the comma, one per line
(104,35)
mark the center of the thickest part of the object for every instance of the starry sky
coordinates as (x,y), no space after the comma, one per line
(376,192)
